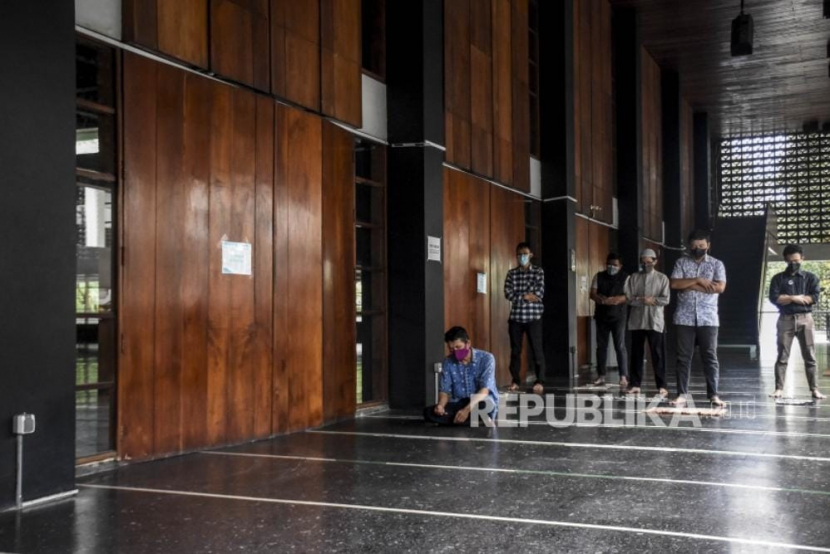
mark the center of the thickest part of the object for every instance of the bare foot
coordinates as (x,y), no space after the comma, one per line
(513,388)
(538,388)
(633,390)
(777,394)
(717,401)
(598,382)
(663,393)
(680,400)
(623,384)
(817,395)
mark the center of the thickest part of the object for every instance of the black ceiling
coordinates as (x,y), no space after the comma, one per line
(784,83)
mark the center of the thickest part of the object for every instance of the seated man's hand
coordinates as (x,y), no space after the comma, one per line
(439,410)
(462,415)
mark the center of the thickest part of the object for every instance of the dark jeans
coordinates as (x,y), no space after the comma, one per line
(707,341)
(517,330)
(617,330)
(657,345)
(450,410)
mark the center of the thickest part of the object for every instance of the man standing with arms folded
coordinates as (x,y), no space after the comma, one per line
(647,292)
(524,287)
(699,279)
(608,291)
(795,292)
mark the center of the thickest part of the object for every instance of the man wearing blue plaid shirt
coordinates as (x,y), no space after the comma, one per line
(524,287)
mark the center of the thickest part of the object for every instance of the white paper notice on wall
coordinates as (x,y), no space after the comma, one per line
(236,258)
(481,283)
(434,249)
(583,284)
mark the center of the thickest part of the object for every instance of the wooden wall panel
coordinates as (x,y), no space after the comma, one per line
(651,136)
(263,373)
(593,109)
(481,77)
(299,332)
(170,210)
(239,41)
(339,331)
(340,61)
(467,252)
(687,197)
(295,51)
(138,279)
(457,84)
(198,170)
(592,246)
(502,93)
(521,95)
(178,29)
(507,229)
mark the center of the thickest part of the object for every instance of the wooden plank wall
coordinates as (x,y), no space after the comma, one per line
(592,246)
(507,229)
(305,51)
(651,136)
(487,105)
(239,43)
(687,178)
(339,337)
(208,358)
(483,224)
(593,109)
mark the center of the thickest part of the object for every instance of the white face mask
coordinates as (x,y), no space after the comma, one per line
(524,259)
(613,270)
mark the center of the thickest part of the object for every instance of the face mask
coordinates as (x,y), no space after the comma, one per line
(793,267)
(613,270)
(461,354)
(524,259)
(698,253)
(648,268)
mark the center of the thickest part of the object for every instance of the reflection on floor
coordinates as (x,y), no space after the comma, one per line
(388,482)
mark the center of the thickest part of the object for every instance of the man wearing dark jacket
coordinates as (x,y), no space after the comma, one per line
(608,291)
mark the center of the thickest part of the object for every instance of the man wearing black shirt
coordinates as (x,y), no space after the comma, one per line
(608,291)
(795,292)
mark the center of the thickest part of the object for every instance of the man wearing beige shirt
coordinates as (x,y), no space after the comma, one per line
(647,293)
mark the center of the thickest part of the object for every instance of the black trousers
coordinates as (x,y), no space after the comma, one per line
(617,330)
(450,410)
(517,330)
(657,345)
(707,342)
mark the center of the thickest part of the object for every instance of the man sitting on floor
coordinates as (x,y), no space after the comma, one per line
(468,379)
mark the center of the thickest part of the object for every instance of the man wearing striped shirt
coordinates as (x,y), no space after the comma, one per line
(524,287)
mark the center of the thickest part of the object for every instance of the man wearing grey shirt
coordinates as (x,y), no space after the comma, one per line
(647,292)
(698,279)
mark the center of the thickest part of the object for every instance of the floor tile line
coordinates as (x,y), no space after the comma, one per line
(578,445)
(516,471)
(477,517)
(793,434)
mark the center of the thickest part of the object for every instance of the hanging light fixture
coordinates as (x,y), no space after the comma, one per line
(743,31)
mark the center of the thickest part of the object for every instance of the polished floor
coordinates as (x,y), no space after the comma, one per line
(758,481)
